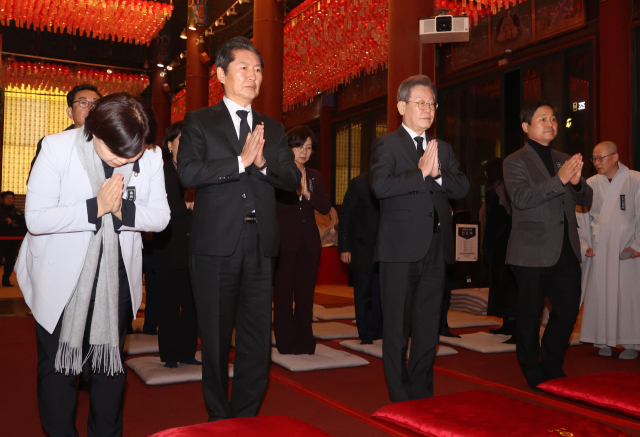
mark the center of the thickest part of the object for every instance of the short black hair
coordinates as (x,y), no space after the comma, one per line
(125,123)
(298,135)
(7,193)
(225,53)
(71,95)
(530,108)
(171,134)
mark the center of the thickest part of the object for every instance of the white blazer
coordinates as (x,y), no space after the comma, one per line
(53,252)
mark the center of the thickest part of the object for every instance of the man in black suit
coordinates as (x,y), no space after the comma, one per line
(234,156)
(359,219)
(414,176)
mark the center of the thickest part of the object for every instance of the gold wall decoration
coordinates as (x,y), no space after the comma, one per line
(28,116)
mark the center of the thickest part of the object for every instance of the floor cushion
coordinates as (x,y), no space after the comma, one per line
(263,426)
(331,330)
(375,349)
(324,358)
(615,391)
(458,319)
(152,371)
(481,342)
(480,413)
(348,312)
(141,344)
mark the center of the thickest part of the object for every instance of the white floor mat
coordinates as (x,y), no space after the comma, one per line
(481,342)
(375,349)
(458,319)
(138,324)
(152,371)
(324,358)
(331,330)
(479,294)
(140,344)
(335,313)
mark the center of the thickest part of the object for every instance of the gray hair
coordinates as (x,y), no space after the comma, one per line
(404,90)
(225,54)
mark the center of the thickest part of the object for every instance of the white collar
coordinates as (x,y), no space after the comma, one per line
(233,106)
(413,134)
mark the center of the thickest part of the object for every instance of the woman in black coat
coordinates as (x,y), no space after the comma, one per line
(177,327)
(300,248)
(502,291)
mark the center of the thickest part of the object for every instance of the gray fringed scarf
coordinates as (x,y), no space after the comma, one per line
(104,337)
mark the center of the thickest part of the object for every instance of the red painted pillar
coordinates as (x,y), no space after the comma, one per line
(197,74)
(268,38)
(404,49)
(615,76)
(326,118)
(160,103)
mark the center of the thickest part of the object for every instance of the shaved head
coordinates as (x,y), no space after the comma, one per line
(605,147)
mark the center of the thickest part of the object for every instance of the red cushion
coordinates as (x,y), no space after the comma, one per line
(481,413)
(263,426)
(615,391)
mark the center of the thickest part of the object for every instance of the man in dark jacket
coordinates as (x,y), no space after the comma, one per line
(12,224)
(360,216)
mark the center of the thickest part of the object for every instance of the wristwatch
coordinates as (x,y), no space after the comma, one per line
(263,166)
(437,177)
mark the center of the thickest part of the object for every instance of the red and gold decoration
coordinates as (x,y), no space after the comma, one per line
(216,92)
(475,9)
(133,21)
(329,42)
(179,106)
(52,77)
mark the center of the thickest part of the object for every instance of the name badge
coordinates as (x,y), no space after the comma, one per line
(131,194)
(623,204)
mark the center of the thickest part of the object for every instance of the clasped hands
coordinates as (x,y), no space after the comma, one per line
(429,161)
(571,171)
(110,196)
(590,253)
(252,149)
(303,189)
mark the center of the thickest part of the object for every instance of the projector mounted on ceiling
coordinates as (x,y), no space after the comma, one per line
(444,28)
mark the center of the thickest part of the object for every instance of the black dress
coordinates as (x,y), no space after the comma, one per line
(502,291)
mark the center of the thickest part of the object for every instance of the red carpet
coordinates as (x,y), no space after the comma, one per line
(337,401)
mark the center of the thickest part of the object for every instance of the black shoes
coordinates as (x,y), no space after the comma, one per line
(192,361)
(7,284)
(171,364)
(366,341)
(507,328)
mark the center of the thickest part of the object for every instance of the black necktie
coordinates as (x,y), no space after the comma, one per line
(419,149)
(244,126)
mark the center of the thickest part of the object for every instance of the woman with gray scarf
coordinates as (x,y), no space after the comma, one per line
(91,192)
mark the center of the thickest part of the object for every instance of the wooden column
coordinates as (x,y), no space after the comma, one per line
(197,79)
(405,49)
(160,102)
(326,154)
(268,38)
(615,76)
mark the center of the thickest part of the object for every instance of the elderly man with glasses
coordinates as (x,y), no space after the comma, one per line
(413,175)
(610,243)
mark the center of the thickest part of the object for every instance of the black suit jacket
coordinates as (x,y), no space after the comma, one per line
(208,161)
(297,218)
(407,199)
(359,220)
(171,246)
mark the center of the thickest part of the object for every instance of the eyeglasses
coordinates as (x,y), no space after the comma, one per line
(85,103)
(424,105)
(306,149)
(600,158)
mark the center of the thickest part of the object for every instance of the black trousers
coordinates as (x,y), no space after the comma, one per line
(234,291)
(561,284)
(57,392)
(152,304)
(366,294)
(445,305)
(411,299)
(295,281)
(178,328)
(8,251)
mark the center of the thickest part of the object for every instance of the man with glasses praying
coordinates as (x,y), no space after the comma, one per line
(80,100)
(610,246)
(413,175)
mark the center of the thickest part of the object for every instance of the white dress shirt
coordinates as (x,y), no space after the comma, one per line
(233,107)
(424,146)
